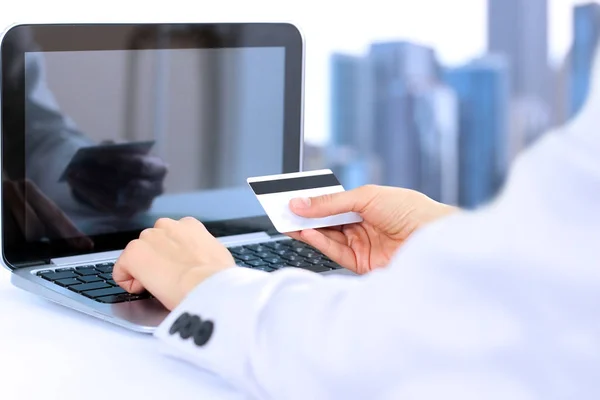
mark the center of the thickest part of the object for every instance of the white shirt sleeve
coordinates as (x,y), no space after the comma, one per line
(501,303)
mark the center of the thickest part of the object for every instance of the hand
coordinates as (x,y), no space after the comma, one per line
(35,216)
(390,216)
(119,183)
(170,260)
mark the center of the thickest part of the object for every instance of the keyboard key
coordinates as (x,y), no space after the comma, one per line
(315,268)
(274,260)
(84,267)
(246,257)
(239,250)
(53,276)
(105,268)
(257,247)
(279,266)
(111,291)
(278,245)
(331,264)
(89,286)
(265,268)
(119,298)
(112,282)
(47,271)
(87,271)
(105,264)
(67,282)
(141,296)
(106,277)
(257,263)
(266,254)
(89,278)
(296,263)
(291,258)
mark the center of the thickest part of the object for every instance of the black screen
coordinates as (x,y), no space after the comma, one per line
(102,140)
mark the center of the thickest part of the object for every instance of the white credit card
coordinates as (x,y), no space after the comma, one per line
(274,193)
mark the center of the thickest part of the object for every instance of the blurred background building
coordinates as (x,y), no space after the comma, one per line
(400,118)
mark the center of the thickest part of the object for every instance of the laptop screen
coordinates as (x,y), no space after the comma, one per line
(115,138)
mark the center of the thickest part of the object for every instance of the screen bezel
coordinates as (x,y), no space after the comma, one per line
(90,37)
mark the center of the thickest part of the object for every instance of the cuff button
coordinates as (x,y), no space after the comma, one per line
(187,330)
(179,323)
(203,333)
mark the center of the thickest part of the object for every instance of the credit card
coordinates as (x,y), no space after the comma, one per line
(97,152)
(274,193)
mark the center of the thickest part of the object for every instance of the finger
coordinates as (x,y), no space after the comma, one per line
(334,233)
(142,266)
(158,240)
(334,250)
(355,200)
(357,239)
(191,221)
(166,224)
(294,235)
(195,225)
(187,231)
(126,268)
(54,219)
(193,231)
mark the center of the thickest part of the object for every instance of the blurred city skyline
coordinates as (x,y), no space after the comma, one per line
(399,116)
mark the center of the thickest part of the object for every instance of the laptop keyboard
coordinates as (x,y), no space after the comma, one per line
(272,256)
(95,281)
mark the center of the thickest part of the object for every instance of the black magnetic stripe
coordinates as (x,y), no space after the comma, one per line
(291,184)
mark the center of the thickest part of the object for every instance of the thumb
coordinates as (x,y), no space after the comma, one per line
(332,204)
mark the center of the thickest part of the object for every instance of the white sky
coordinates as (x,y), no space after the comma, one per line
(456,28)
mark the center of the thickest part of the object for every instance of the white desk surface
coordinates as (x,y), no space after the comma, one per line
(50,352)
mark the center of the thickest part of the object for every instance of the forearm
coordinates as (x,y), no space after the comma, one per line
(496,303)
(298,335)
(269,328)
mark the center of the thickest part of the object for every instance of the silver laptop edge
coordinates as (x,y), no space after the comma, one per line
(142,315)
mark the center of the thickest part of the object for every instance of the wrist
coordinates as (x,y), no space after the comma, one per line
(193,277)
(446,209)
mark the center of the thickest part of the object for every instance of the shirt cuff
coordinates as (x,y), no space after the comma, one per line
(212,327)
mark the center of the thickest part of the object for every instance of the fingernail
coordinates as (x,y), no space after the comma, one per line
(300,202)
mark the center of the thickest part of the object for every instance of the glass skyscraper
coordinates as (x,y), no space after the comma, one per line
(483,90)
(518,30)
(400,119)
(350,151)
(403,73)
(586,30)
(392,116)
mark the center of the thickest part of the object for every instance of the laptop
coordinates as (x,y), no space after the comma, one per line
(88,113)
